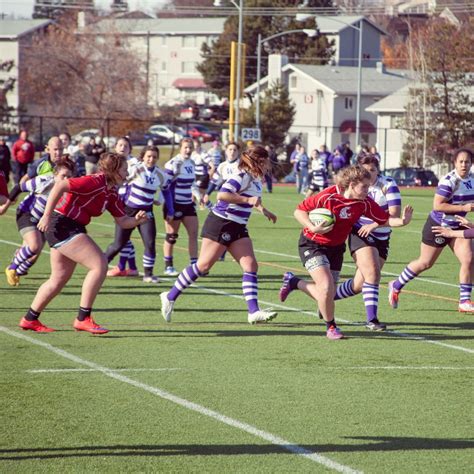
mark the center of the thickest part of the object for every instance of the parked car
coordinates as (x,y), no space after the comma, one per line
(202,133)
(189,111)
(143,139)
(214,112)
(86,135)
(412,176)
(172,135)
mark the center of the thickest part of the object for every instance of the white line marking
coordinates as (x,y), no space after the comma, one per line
(392,367)
(314,314)
(275,440)
(59,371)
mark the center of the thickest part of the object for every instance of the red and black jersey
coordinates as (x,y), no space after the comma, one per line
(346,212)
(89,197)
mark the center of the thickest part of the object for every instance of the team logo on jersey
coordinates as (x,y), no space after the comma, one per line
(149,179)
(178,214)
(188,169)
(226,236)
(440,240)
(370,239)
(344,213)
(468,184)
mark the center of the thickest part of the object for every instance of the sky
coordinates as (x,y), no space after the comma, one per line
(24,8)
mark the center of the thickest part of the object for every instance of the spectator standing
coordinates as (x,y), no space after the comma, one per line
(5,157)
(302,170)
(93,151)
(337,160)
(68,147)
(79,158)
(23,152)
(273,164)
(347,152)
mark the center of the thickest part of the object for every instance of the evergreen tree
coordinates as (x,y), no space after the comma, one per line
(215,67)
(277,114)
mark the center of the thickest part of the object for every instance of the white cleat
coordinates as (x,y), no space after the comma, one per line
(151,279)
(171,271)
(261,316)
(166,307)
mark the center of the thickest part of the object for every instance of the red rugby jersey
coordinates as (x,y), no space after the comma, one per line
(89,197)
(346,211)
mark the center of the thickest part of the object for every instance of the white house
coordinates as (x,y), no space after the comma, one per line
(325,99)
(170,49)
(15,37)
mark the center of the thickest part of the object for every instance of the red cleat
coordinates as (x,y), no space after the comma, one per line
(89,325)
(35,325)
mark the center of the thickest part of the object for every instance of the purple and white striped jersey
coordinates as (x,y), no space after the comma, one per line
(143,184)
(39,188)
(224,171)
(122,191)
(182,173)
(238,183)
(455,190)
(385,193)
(202,162)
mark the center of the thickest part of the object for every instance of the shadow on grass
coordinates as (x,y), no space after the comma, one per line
(371,444)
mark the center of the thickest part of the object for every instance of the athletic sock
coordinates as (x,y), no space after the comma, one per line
(21,256)
(168,262)
(406,276)
(24,267)
(370,293)
(84,313)
(344,290)
(293,283)
(32,315)
(330,324)
(193,260)
(148,264)
(250,290)
(465,290)
(132,264)
(185,278)
(124,254)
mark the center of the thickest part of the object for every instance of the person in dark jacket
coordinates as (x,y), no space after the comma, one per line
(93,151)
(5,157)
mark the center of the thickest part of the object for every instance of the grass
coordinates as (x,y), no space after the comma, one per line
(398,401)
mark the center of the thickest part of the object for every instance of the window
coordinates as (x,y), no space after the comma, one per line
(188,67)
(164,66)
(164,41)
(188,41)
(348,103)
(293,82)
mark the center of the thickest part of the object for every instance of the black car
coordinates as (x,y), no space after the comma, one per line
(144,139)
(412,176)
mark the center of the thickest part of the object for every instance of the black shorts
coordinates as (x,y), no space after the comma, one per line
(315,187)
(202,181)
(25,222)
(222,230)
(429,238)
(314,255)
(62,229)
(357,242)
(132,212)
(180,211)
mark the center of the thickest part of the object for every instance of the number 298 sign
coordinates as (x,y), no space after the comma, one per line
(251,134)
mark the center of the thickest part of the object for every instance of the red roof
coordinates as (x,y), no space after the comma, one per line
(349,126)
(187,83)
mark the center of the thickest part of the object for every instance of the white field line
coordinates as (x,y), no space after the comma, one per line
(313,314)
(60,371)
(252,430)
(401,367)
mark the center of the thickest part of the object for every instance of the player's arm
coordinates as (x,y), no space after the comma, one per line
(58,190)
(303,218)
(440,205)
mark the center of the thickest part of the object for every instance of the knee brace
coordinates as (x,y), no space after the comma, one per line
(171,238)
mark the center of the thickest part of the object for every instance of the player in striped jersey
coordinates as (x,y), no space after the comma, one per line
(28,214)
(203,169)
(144,181)
(454,197)
(318,174)
(226,228)
(181,170)
(369,242)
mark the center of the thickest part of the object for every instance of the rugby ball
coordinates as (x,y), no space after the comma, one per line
(322,216)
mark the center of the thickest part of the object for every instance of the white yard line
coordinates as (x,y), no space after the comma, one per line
(61,371)
(232,422)
(401,367)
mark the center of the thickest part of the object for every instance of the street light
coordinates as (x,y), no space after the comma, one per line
(309,33)
(240,8)
(303,17)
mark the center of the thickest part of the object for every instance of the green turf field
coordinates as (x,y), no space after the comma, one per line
(210,393)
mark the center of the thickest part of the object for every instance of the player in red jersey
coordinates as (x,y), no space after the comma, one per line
(3,188)
(71,205)
(321,248)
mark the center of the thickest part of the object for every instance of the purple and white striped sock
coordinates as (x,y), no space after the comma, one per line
(250,290)
(24,267)
(465,290)
(148,260)
(406,276)
(370,293)
(185,278)
(21,256)
(124,253)
(132,264)
(344,290)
